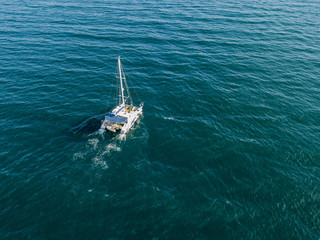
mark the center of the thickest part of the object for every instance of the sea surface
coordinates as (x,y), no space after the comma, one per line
(229,143)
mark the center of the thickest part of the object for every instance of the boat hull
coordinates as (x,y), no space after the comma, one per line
(111,125)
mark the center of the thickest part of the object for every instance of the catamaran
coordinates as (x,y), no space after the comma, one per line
(123,116)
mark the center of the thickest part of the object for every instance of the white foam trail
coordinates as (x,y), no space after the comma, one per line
(168,118)
(121,137)
(112,147)
(99,162)
(93,143)
(99,159)
(77,156)
(100,151)
(101,131)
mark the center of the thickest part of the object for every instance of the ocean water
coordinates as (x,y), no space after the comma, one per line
(228,145)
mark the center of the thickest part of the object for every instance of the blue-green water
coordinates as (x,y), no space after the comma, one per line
(228,146)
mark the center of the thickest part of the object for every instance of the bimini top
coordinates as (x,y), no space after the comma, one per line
(114,118)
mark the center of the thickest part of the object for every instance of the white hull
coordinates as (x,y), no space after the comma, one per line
(122,111)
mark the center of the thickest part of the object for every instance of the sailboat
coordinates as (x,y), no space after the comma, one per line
(123,116)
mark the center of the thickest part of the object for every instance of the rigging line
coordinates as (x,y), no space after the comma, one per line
(118,92)
(134,89)
(125,82)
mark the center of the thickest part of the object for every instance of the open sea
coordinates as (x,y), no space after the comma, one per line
(229,143)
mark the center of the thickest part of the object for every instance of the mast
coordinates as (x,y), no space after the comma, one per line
(121,84)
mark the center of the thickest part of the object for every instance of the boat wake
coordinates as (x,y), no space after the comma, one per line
(99,149)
